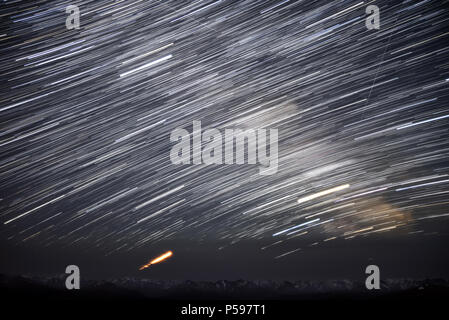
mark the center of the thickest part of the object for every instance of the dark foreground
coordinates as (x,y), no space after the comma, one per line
(230,299)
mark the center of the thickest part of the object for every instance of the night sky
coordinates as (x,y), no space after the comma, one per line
(86,117)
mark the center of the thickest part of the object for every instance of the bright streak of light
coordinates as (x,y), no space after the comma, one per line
(322,193)
(145,66)
(157,260)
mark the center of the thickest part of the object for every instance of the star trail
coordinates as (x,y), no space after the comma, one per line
(86,117)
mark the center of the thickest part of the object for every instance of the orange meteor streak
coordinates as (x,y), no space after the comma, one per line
(157,260)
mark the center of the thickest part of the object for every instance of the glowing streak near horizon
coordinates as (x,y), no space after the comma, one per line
(157,260)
